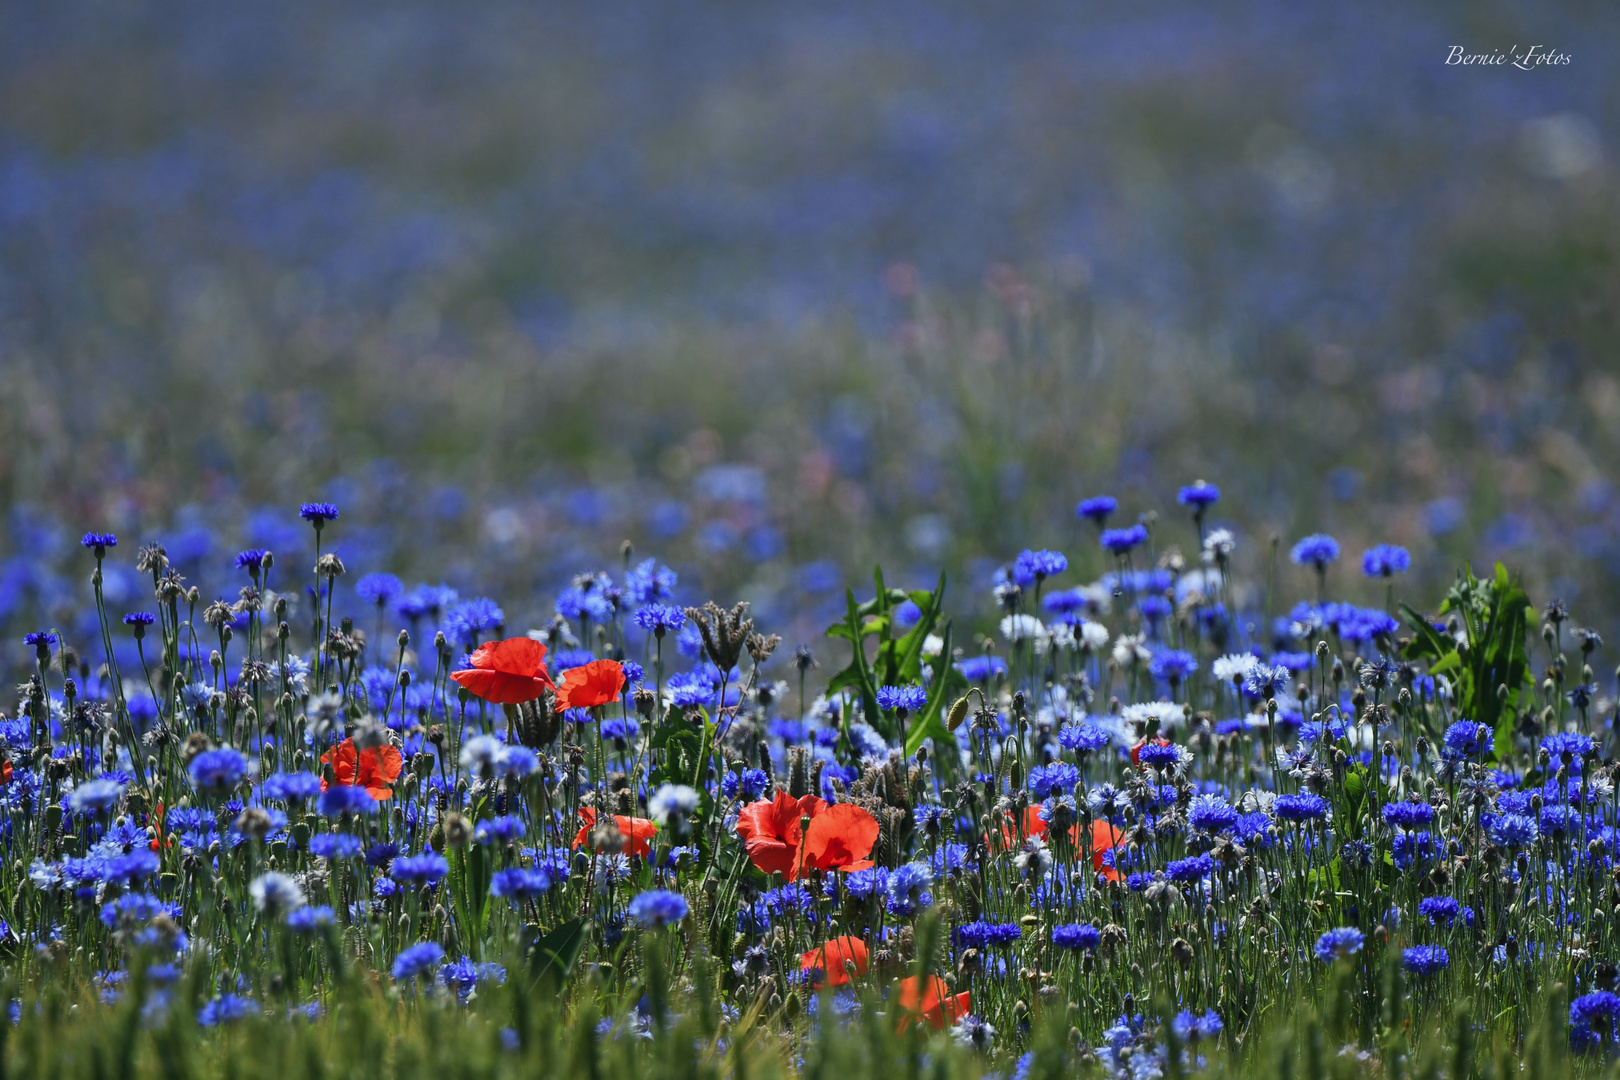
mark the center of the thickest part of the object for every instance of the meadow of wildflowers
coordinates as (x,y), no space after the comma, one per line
(1133,830)
(652,541)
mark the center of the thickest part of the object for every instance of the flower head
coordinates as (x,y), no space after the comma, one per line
(589,685)
(1317,550)
(1385,560)
(658,908)
(318,513)
(1340,942)
(507,672)
(1098,508)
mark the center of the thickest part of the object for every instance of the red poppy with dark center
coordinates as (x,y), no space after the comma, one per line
(932,1001)
(839,837)
(637,831)
(595,683)
(506,672)
(838,961)
(379,767)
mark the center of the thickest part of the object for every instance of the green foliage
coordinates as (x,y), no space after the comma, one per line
(1491,668)
(897,661)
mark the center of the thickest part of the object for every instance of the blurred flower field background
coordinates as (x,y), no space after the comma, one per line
(779,292)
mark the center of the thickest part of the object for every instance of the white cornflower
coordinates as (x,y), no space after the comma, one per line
(1233,666)
(275,893)
(672,800)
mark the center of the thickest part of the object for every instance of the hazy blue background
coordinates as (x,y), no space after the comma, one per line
(779,290)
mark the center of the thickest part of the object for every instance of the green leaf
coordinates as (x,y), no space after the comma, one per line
(555,955)
(930,725)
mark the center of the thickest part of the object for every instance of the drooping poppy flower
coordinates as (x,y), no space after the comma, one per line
(595,683)
(932,1001)
(771,832)
(507,672)
(156,820)
(830,964)
(840,837)
(637,830)
(5,772)
(379,767)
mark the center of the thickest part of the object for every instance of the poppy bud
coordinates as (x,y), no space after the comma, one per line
(958,713)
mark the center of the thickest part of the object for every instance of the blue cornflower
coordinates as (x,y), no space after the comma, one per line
(464,975)
(95,797)
(1385,560)
(575,604)
(1581,694)
(658,907)
(1301,806)
(897,698)
(251,560)
(98,543)
(1598,1005)
(1173,665)
(216,772)
(1439,909)
(1264,680)
(140,620)
(225,1009)
(1053,779)
(660,619)
(1098,508)
(1573,743)
(749,787)
(980,669)
(318,513)
(1513,830)
(499,830)
(331,845)
(1466,739)
(1195,868)
(908,889)
(1425,960)
(378,589)
(1199,495)
(1083,738)
(1317,550)
(634,673)
(292,787)
(929,815)
(1408,814)
(1159,755)
(340,799)
(1192,1029)
(981,934)
(423,869)
(649,582)
(518,885)
(1211,813)
(1076,936)
(1341,942)
(1033,567)
(418,960)
(308,919)
(466,620)
(1120,541)
(41,640)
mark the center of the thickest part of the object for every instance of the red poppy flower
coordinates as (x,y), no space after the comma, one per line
(1136,751)
(1103,837)
(637,830)
(379,767)
(834,960)
(157,828)
(595,683)
(770,831)
(840,837)
(932,1001)
(506,672)
(5,772)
